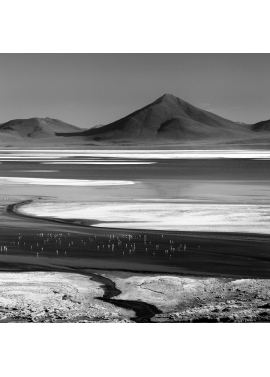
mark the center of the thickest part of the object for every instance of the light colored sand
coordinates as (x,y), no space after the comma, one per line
(243,218)
(54,297)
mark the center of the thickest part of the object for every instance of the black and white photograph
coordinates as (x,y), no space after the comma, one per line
(134,192)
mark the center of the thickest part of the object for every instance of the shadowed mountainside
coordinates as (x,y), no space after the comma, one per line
(171,119)
(167,120)
(261,126)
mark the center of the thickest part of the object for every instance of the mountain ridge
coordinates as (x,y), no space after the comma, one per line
(167,117)
(167,120)
(35,127)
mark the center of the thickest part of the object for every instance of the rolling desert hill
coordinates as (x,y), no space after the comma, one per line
(34,128)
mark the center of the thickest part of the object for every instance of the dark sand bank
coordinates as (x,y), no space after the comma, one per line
(60,243)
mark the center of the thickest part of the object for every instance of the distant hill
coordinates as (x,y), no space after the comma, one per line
(261,126)
(168,118)
(34,128)
(166,121)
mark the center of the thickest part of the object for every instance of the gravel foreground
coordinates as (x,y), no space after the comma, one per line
(54,297)
(192,299)
(72,297)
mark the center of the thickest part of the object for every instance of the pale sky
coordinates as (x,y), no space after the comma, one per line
(90,89)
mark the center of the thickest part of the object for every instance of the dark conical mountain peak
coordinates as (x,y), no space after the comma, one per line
(167,98)
(173,101)
(167,117)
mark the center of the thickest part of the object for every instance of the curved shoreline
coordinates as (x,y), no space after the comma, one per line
(143,311)
(219,254)
(11,209)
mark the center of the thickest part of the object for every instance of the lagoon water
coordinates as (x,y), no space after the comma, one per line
(198,191)
(223,196)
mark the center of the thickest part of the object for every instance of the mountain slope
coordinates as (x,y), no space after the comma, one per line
(168,117)
(261,126)
(168,120)
(34,128)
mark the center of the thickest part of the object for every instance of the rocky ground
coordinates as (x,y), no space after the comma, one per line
(192,299)
(72,297)
(54,297)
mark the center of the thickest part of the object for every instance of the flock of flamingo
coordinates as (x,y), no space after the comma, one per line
(63,244)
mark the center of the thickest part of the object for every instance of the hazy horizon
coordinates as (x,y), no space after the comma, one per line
(91,89)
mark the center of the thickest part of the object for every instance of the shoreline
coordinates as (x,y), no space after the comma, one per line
(220,254)
(147,282)
(11,209)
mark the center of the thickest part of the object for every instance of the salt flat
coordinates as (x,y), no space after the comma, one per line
(60,182)
(6,155)
(217,207)
(161,216)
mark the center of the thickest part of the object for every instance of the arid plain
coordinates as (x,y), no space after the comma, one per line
(162,216)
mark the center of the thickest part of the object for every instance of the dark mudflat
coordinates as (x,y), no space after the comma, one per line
(215,254)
